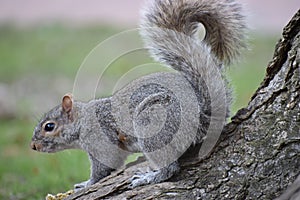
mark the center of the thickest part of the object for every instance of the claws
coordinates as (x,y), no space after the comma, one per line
(137,181)
(142,178)
(81,185)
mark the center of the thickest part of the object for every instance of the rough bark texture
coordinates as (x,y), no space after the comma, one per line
(258,155)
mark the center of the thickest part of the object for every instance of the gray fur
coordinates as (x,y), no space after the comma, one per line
(190,101)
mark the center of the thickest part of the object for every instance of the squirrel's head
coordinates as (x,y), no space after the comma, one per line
(57,131)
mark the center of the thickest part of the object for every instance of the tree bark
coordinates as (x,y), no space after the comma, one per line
(258,155)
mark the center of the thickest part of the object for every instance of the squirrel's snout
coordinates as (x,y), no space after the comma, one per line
(34,146)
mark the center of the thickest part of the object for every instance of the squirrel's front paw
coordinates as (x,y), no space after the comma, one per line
(82,185)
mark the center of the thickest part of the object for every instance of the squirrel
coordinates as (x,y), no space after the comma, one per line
(111,128)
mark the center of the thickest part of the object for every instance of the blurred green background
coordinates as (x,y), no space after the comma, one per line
(31,60)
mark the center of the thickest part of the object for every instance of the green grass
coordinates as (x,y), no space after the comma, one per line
(25,174)
(247,74)
(57,50)
(46,49)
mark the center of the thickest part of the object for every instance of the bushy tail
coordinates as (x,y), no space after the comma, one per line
(223,21)
(170,27)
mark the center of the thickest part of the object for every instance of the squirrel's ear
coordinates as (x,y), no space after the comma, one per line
(67,103)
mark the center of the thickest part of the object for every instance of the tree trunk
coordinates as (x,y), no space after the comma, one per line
(257,156)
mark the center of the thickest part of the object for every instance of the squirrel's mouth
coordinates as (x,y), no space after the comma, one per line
(37,146)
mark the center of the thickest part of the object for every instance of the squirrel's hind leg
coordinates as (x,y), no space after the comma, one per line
(155,176)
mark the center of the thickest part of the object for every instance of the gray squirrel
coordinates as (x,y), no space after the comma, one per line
(110,128)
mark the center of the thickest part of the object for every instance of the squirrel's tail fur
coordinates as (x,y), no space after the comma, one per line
(223,21)
(169,28)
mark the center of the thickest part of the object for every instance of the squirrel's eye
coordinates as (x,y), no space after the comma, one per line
(49,127)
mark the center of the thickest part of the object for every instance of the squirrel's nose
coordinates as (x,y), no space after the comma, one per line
(32,145)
